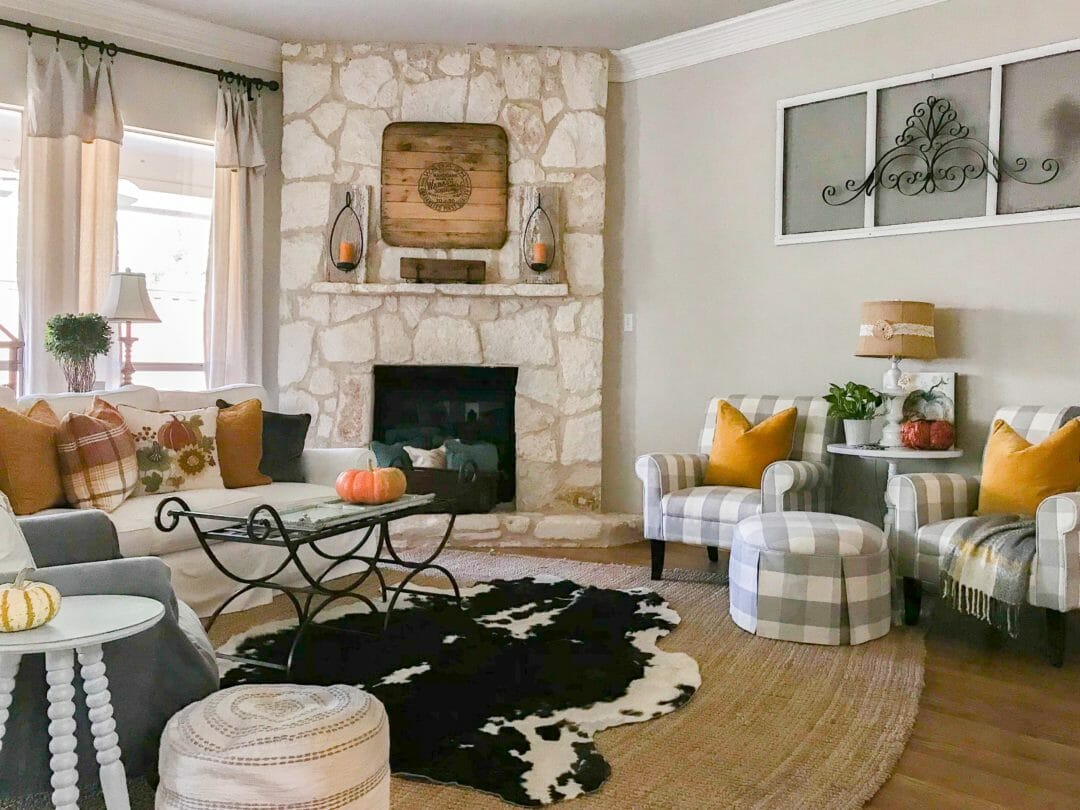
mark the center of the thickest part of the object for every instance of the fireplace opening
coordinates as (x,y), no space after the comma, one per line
(428,407)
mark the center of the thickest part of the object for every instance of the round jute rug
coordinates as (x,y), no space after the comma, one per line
(774,724)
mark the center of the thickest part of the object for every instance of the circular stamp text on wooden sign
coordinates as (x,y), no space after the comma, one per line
(444,186)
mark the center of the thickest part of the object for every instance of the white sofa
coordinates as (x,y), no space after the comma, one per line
(194,578)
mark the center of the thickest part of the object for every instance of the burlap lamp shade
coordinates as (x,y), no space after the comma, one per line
(897,329)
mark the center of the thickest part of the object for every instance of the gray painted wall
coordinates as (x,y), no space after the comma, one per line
(720,309)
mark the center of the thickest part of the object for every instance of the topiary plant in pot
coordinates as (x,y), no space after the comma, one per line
(857,405)
(76,341)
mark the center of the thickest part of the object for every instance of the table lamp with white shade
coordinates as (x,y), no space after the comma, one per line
(897,330)
(128,300)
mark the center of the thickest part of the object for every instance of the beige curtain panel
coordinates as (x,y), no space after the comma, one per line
(234,278)
(72,130)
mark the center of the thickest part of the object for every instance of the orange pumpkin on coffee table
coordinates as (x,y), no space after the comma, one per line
(372,486)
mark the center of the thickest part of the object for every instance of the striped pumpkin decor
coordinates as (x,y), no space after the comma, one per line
(25,605)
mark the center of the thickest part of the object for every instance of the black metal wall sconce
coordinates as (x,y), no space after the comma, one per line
(346,238)
(945,153)
(538,239)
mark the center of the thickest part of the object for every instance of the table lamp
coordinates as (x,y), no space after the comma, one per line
(897,330)
(127,300)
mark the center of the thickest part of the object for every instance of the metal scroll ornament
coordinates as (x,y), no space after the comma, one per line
(937,153)
(346,238)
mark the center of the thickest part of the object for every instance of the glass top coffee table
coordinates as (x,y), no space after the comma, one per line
(305,527)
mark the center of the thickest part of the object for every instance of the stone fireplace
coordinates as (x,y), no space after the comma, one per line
(337,100)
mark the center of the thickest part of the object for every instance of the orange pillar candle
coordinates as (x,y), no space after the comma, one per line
(539,253)
(347,253)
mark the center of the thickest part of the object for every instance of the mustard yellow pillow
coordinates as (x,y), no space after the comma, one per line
(239,439)
(1017,475)
(29,464)
(741,451)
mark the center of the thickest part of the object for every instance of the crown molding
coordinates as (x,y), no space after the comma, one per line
(759,29)
(138,22)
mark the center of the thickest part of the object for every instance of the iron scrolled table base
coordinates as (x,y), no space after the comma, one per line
(264,527)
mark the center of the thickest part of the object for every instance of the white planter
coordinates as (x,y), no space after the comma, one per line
(857,431)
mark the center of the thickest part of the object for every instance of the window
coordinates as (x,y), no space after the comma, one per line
(163,229)
(10,139)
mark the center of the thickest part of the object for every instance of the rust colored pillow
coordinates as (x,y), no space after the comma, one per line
(239,438)
(106,412)
(41,411)
(29,465)
(97,462)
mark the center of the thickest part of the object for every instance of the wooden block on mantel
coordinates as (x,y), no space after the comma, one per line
(443,271)
(444,185)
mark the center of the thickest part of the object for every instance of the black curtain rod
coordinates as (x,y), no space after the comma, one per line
(112,49)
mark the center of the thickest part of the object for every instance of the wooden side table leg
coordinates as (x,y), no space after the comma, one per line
(103,727)
(59,673)
(9,668)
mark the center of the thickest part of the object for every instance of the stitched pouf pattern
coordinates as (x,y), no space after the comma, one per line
(283,746)
(810,577)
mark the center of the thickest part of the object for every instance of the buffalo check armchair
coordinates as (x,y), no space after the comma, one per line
(679,508)
(928,510)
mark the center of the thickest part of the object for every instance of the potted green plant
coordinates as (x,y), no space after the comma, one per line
(857,405)
(76,341)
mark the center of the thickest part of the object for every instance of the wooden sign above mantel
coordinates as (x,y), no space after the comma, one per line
(444,185)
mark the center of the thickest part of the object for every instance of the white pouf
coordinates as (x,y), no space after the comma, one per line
(277,746)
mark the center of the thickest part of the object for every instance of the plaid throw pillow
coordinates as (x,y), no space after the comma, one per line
(97,462)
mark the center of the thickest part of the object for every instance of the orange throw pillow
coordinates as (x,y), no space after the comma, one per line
(41,411)
(97,462)
(29,466)
(1017,475)
(239,441)
(741,451)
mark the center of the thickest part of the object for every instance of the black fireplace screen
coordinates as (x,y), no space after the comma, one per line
(425,406)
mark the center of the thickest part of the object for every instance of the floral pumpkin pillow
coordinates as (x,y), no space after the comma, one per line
(176,450)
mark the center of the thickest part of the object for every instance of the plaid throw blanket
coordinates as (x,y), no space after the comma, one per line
(986,571)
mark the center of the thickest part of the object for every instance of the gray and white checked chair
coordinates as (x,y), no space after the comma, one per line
(927,510)
(679,508)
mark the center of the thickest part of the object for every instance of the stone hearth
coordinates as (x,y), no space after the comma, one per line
(337,101)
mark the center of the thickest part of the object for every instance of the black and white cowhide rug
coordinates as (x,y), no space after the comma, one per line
(504,695)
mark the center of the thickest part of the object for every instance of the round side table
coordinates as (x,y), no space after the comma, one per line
(894,455)
(83,624)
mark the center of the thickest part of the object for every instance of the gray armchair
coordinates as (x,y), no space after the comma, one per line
(928,510)
(151,676)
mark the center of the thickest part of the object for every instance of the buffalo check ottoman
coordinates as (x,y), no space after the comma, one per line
(810,577)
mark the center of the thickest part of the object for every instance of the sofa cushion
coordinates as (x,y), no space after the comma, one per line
(137,396)
(176,450)
(239,441)
(134,518)
(190,400)
(29,465)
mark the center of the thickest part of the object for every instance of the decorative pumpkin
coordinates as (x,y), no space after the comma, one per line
(176,435)
(928,434)
(25,605)
(942,435)
(372,486)
(915,434)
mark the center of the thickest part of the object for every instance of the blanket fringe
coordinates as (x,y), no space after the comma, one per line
(982,606)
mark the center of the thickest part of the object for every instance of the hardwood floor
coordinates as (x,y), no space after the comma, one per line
(998,726)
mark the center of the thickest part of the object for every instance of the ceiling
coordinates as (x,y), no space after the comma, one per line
(583,23)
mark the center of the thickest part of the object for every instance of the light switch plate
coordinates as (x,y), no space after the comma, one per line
(628,322)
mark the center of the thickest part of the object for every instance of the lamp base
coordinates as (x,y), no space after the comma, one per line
(128,369)
(894,397)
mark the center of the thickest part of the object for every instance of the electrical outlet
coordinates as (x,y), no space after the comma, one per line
(628,322)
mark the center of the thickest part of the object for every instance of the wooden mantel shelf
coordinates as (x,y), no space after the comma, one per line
(474,290)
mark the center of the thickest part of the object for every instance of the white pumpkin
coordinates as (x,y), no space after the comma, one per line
(25,605)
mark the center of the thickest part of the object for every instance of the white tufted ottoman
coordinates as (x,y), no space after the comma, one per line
(810,577)
(277,746)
